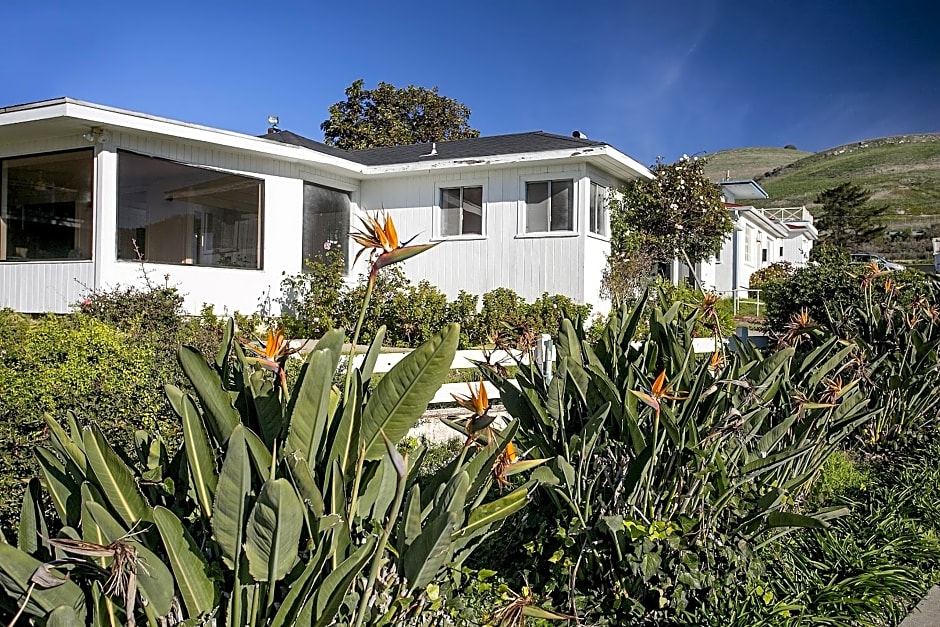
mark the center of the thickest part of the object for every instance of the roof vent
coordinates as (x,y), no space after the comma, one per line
(433,152)
(272,125)
(579,135)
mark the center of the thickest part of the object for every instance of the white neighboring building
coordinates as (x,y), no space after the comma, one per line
(224,215)
(761,237)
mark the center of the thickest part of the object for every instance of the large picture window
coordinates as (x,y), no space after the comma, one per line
(326,221)
(549,206)
(175,213)
(461,211)
(46,207)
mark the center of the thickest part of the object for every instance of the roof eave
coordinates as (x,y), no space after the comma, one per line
(606,157)
(120,119)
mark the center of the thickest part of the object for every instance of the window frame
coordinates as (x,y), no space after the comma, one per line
(523,205)
(748,244)
(261,216)
(605,210)
(92,245)
(437,219)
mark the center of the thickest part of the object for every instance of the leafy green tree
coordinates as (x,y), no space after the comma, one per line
(847,219)
(677,213)
(390,116)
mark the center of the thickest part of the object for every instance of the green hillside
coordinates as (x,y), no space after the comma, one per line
(749,163)
(902,172)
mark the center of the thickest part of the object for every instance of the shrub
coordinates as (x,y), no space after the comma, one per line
(818,289)
(76,363)
(828,253)
(310,300)
(773,273)
(503,312)
(463,311)
(546,312)
(390,286)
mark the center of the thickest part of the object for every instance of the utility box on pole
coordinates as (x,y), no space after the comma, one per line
(936,255)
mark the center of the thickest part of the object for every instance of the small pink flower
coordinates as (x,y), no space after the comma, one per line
(327,245)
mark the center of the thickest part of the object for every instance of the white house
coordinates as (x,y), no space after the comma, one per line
(761,237)
(223,214)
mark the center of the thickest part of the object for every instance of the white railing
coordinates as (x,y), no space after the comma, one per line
(736,298)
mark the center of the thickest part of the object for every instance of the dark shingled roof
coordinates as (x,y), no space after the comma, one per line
(537,141)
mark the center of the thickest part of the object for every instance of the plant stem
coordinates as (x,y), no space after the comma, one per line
(380,551)
(355,336)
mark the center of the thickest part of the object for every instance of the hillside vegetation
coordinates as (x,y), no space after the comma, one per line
(749,163)
(902,172)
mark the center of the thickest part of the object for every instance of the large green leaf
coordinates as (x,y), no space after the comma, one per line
(274,529)
(188,563)
(153,577)
(402,396)
(64,616)
(230,507)
(306,485)
(32,531)
(309,408)
(428,553)
(321,609)
(372,356)
(493,512)
(16,569)
(199,456)
(114,478)
(215,401)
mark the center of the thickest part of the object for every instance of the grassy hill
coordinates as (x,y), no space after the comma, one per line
(902,172)
(749,163)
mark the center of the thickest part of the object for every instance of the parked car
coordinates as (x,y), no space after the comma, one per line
(881,261)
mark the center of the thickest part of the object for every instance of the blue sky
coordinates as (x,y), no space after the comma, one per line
(654,79)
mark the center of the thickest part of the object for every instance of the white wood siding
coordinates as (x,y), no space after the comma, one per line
(37,287)
(504,257)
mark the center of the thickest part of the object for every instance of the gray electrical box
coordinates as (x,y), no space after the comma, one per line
(936,255)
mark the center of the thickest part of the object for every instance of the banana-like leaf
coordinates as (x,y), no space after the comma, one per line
(402,396)
(305,483)
(308,410)
(16,570)
(199,456)
(428,553)
(790,519)
(267,406)
(153,577)
(322,608)
(225,347)
(64,616)
(114,478)
(299,593)
(346,436)
(274,528)
(188,563)
(261,457)
(32,529)
(492,512)
(66,445)
(175,397)
(372,356)
(230,508)
(215,401)
(91,532)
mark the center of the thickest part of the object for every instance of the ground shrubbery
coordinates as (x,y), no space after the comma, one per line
(318,299)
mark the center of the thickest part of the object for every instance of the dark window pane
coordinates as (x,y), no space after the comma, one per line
(187,215)
(536,200)
(473,210)
(326,221)
(450,212)
(450,198)
(47,209)
(562,215)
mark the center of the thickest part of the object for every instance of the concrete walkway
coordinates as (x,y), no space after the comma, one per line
(927,612)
